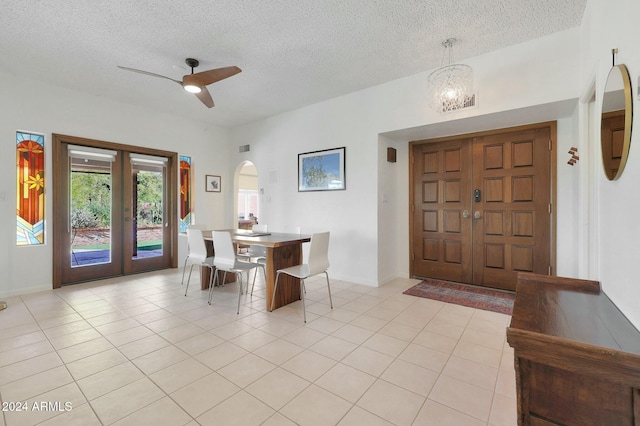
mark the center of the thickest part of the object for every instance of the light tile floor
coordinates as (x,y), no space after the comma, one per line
(134,350)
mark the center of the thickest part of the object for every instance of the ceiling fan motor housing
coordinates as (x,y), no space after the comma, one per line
(193,63)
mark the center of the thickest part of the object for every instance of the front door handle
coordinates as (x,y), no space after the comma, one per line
(465,214)
(477,215)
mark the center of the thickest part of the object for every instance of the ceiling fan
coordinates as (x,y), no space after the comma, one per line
(196,83)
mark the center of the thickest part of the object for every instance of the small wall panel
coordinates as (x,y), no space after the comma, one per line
(522,258)
(522,187)
(430,221)
(522,153)
(452,252)
(430,162)
(452,161)
(522,223)
(494,256)
(430,192)
(494,190)
(452,221)
(493,157)
(617,144)
(452,191)
(493,223)
(430,249)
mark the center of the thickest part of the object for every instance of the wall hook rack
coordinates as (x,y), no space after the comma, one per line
(574,156)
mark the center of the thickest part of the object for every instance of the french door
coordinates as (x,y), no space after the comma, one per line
(481,206)
(113,210)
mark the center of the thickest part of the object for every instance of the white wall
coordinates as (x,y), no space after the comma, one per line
(369,221)
(531,82)
(33,106)
(616,228)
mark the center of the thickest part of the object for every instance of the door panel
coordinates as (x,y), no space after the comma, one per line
(511,230)
(146,231)
(480,209)
(92,233)
(612,134)
(442,247)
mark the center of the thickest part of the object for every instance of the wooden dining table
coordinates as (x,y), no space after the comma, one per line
(283,250)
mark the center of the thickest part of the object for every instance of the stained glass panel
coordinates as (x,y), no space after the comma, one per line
(185,192)
(30,189)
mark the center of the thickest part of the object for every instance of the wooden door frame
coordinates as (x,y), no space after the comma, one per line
(60,195)
(552,125)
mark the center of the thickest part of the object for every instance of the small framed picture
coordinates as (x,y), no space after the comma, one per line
(213,183)
(321,170)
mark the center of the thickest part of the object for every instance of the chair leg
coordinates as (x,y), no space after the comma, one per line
(211,274)
(275,287)
(184,269)
(264,271)
(255,273)
(188,279)
(240,290)
(329,288)
(212,283)
(304,309)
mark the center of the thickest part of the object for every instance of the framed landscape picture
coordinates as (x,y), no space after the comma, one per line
(213,183)
(322,170)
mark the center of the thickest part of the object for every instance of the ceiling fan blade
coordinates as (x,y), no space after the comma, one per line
(205,97)
(205,78)
(149,73)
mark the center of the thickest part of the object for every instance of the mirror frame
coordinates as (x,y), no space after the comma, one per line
(628,120)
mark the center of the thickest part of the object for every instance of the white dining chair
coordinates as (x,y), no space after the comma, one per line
(186,259)
(197,255)
(317,263)
(256,253)
(226,260)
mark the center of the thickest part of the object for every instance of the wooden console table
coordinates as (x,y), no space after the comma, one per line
(577,358)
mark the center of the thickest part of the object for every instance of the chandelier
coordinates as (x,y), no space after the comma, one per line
(450,87)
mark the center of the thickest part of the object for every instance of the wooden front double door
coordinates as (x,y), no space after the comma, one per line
(481,206)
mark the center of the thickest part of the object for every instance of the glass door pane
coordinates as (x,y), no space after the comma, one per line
(90,211)
(148,216)
(147,233)
(87,204)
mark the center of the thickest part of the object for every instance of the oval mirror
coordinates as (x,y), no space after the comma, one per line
(617,114)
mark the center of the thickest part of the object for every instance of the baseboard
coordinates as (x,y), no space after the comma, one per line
(24,290)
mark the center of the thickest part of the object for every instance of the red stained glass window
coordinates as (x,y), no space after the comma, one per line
(30,207)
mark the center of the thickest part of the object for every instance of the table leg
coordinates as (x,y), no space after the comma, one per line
(288,287)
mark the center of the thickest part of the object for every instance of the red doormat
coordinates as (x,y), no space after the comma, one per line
(465,295)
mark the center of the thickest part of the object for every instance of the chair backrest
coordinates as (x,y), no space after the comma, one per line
(319,253)
(225,255)
(259,228)
(255,249)
(197,248)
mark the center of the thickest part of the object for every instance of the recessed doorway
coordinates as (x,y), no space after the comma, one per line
(248,207)
(482,206)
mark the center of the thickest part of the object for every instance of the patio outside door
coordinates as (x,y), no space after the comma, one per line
(112,211)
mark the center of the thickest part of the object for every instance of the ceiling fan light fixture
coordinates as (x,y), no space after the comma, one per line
(192,88)
(196,83)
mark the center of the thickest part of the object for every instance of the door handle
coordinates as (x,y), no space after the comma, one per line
(477,215)
(465,214)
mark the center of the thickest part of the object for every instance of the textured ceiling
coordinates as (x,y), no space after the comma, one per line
(292,52)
